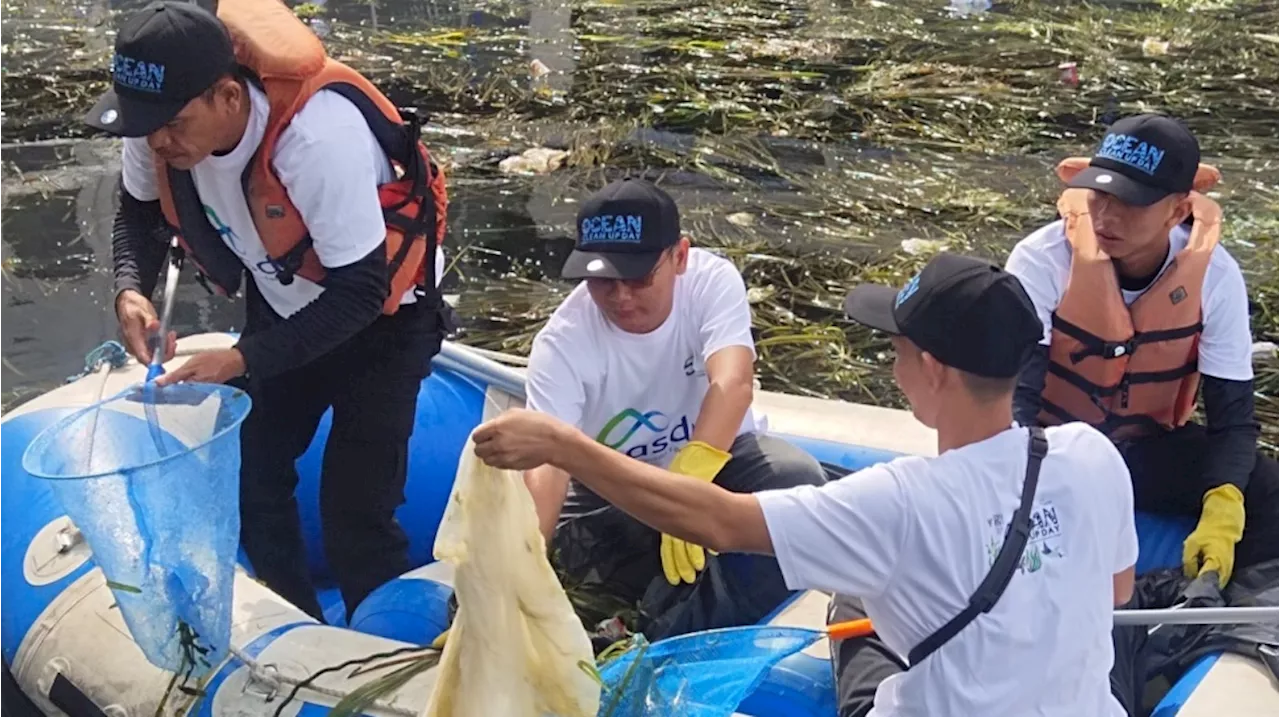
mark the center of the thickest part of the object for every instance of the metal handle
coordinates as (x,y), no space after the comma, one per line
(459,358)
(166,312)
(1197,616)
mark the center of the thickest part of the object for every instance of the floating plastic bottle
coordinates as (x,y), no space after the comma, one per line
(965,8)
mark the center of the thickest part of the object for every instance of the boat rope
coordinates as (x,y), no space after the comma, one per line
(111,354)
(272,679)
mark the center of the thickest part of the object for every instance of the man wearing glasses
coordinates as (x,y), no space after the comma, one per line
(652,355)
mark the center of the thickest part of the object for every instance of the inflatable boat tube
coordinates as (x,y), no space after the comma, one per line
(70,652)
(63,638)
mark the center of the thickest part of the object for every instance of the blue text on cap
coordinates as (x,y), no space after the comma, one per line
(1132,151)
(617,228)
(906,291)
(137,74)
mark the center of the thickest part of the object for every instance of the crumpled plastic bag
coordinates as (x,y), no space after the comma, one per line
(516,648)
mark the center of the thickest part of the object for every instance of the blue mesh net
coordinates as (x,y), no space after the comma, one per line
(151,478)
(703,674)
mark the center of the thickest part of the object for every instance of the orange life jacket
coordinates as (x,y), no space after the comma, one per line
(289,63)
(1127,370)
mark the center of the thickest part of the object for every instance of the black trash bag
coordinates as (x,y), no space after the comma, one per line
(13,701)
(610,566)
(1168,650)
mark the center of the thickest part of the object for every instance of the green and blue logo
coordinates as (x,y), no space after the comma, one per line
(662,433)
(227,234)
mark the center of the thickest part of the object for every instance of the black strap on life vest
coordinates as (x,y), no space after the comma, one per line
(216,262)
(1109,425)
(1128,379)
(422,227)
(399,141)
(1096,346)
(1006,563)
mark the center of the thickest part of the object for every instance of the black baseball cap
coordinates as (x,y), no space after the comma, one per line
(970,314)
(622,231)
(1143,159)
(165,56)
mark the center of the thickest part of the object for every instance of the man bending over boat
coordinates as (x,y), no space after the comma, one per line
(286,178)
(1035,524)
(651,355)
(1142,309)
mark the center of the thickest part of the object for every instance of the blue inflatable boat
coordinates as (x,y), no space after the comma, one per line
(70,651)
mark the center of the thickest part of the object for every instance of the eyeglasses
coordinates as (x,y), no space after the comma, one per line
(634,284)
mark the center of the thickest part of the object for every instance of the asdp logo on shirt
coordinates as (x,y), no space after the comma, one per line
(656,434)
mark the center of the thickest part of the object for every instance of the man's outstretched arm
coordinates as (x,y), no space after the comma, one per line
(689,509)
(678,505)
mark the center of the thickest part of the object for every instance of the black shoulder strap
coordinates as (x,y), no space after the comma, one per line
(1015,541)
(214,258)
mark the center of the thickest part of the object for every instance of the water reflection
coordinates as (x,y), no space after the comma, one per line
(59,201)
(780,128)
(57,286)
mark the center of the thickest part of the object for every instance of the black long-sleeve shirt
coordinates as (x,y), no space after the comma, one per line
(138,245)
(352,297)
(1229,420)
(351,301)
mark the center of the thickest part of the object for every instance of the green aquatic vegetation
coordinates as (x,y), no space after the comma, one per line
(193,656)
(308,10)
(367,695)
(818,143)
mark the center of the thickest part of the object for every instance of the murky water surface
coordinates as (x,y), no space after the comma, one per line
(816,142)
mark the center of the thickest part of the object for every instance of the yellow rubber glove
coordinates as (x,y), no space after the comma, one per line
(438,643)
(1212,545)
(681,560)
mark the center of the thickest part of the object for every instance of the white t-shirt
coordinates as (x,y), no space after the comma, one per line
(641,393)
(914,537)
(331,165)
(1042,261)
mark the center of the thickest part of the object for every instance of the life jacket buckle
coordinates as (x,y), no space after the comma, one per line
(278,268)
(287,266)
(1115,349)
(1105,349)
(409,115)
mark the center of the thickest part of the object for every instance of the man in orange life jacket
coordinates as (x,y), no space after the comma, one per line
(1142,309)
(273,159)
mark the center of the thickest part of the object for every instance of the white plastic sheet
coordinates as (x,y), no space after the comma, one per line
(516,648)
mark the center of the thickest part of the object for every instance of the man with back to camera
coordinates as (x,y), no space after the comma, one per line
(285,178)
(913,539)
(652,355)
(1140,311)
